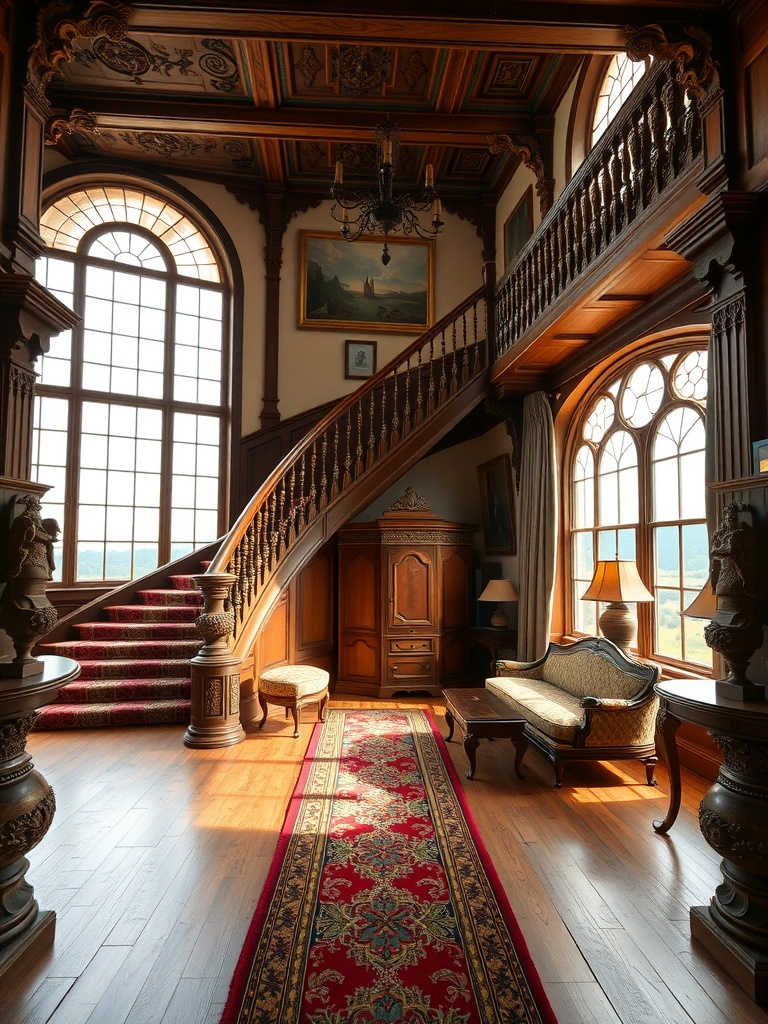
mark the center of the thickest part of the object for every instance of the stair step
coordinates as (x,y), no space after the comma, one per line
(165,597)
(106,631)
(151,613)
(140,669)
(107,691)
(126,650)
(184,582)
(99,716)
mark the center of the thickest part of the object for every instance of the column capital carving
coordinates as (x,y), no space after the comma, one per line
(528,149)
(689,49)
(60,23)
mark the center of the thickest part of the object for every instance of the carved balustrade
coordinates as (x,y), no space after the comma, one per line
(368,426)
(654,139)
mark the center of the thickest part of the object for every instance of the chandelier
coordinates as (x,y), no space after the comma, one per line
(363,211)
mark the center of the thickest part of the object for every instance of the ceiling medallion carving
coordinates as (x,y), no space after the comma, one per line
(308,66)
(361,70)
(313,154)
(241,155)
(220,65)
(413,70)
(511,74)
(357,157)
(696,69)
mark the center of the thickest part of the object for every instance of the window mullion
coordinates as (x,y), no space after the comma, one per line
(166,472)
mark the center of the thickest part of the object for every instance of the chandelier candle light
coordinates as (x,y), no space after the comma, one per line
(499,591)
(363,211)
(617,581)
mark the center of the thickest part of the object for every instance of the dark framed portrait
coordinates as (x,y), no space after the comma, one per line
(497,501)
(359,359)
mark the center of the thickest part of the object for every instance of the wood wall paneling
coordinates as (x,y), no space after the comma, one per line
(756,95)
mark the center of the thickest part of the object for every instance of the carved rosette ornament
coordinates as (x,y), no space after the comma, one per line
(692,55)
(736,630)
(215,712)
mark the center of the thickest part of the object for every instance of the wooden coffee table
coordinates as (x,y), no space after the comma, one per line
(482,715)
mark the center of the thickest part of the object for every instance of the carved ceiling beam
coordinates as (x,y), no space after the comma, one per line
(529,150)
(532,31)
(59,24)
(689,48)
(64,124)
(217,117)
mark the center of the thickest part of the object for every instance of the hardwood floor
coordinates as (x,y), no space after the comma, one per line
(157,853)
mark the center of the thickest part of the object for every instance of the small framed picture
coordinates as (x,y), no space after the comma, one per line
(760,458)
(359,359)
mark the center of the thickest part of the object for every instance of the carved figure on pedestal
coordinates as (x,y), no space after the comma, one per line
(736,630)
(25,611)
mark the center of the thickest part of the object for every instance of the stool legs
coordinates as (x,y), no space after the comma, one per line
(294,706)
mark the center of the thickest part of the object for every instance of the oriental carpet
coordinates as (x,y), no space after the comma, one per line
(382,905)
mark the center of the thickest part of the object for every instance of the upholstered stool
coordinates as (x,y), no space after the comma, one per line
(293,686)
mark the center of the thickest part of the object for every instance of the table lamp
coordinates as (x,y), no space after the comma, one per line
(499,591)
(617,581)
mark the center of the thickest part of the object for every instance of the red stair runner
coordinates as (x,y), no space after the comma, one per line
(134,664)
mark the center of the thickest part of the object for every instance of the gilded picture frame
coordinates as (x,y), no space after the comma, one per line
(345,286)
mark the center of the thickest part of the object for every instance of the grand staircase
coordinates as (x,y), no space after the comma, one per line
(134,661)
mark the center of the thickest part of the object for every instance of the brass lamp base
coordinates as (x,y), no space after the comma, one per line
(618,624)
(499,620)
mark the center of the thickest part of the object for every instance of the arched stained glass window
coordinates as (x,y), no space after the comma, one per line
(131,408)
(637,491)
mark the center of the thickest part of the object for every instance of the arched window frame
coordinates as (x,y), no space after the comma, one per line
(193,257)
(634,540)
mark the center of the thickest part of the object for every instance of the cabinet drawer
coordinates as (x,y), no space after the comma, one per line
(409,669)
(418,645)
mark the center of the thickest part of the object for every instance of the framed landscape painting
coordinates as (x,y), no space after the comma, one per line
(344,285)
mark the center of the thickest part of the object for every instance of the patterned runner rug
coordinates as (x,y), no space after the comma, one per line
(382,905)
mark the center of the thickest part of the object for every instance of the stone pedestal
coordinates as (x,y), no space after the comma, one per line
(27,806)
(215,715)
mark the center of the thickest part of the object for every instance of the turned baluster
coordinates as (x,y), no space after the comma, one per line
(583,230)
(324,476)
(419,414)
(370,456)
(335,467)
(431,391)
(259,548)
(394,432)
(383,438)
(312,510)
(454,361)
(273,533)
(347,478)
(464,353)
(407,406)
(614,171)
(290,514)
(359,441)
(441,389)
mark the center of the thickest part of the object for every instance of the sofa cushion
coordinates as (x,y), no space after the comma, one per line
(589,674)
(546,707)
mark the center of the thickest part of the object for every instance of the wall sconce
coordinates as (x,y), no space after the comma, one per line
(499,591)
(617,581)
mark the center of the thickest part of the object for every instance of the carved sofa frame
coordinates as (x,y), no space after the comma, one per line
(585,701)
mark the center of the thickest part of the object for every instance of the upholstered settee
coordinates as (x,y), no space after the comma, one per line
(584,701)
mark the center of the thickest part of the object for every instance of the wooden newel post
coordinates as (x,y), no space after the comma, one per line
(215,719)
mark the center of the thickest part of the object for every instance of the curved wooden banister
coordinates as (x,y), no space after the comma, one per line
(310,493)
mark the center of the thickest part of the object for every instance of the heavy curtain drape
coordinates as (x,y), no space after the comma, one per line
(538,527)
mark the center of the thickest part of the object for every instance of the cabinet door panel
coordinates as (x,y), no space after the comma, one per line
(359,590)
(359,660)
(411,574)
(455,595)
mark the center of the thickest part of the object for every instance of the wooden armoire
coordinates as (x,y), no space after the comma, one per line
(404,583)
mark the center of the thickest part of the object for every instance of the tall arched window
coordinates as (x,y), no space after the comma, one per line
(637,492)
(620,79)
(131,407)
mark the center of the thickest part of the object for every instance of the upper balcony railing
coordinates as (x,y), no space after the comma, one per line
(655,138)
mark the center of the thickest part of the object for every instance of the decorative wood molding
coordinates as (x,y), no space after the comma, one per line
(528,149)
(58,27)
(692,55)
(76,122)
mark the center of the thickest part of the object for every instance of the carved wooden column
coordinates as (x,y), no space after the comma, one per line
(215,719)
(27,806)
